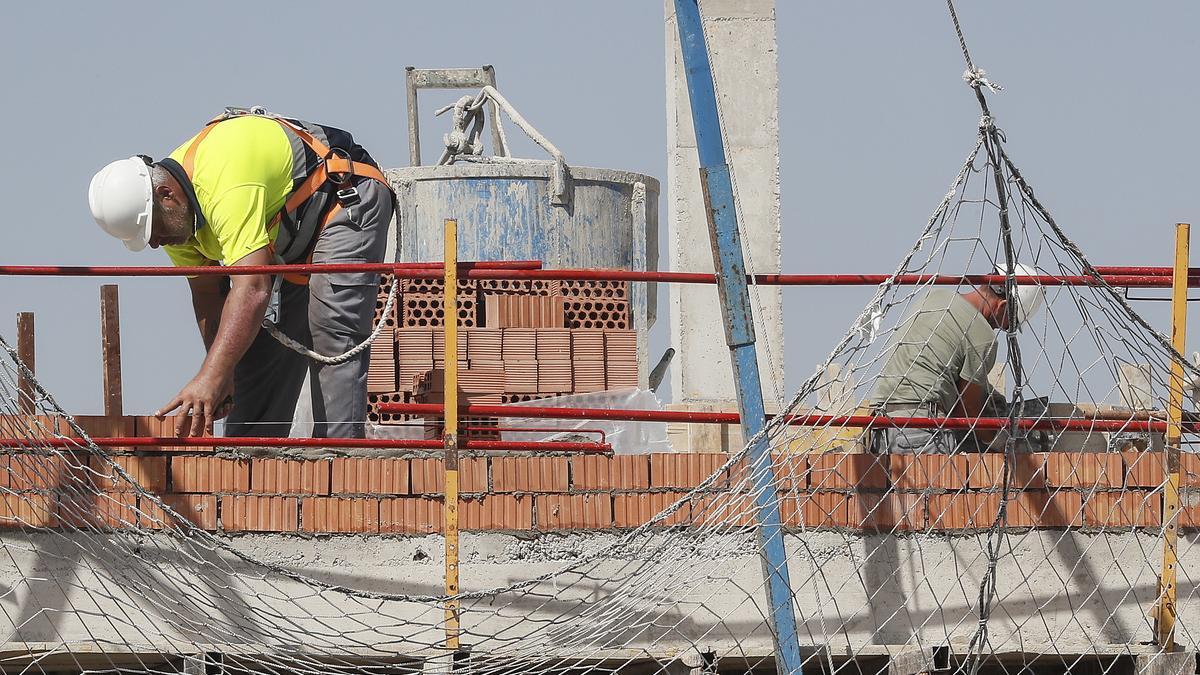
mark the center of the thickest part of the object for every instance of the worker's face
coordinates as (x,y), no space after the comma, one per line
(1001,309)
(172,222)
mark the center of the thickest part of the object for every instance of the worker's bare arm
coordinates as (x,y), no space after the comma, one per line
(240,317)
(207,302)
(971,400)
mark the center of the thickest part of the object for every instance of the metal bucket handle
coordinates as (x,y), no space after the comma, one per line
(469,110)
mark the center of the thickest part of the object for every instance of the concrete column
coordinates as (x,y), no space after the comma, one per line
(741,42)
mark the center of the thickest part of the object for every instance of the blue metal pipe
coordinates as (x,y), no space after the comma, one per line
(739,327)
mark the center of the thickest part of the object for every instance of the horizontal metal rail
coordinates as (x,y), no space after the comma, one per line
(1093,424)
(1144,270)
(414,270)
(600,435)
(532,270)
(276,442)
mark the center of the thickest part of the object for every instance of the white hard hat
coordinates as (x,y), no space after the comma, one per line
(121,197)
(1030,296)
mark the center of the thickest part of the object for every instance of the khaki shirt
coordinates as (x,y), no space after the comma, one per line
(945,339)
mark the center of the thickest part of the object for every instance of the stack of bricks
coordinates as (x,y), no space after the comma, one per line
(519,340)
(853,492)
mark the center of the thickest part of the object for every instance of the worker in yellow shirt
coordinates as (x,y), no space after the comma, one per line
(253,188)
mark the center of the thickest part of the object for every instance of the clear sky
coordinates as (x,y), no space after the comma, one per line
(1100,112)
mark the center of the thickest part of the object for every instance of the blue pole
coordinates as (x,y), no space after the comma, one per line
(739,327)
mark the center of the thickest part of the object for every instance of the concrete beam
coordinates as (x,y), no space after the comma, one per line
(1169,663)
(741,39)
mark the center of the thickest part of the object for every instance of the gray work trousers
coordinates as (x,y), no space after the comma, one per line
(332,314)
(920,441)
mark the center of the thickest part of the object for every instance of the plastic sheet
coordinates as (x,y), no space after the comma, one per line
(627,438)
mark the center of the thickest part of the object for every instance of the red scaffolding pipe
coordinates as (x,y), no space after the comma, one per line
(1144,270)
(415,270)
(275,442)
(875,421)
(531,270)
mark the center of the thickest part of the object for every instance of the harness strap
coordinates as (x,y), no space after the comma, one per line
(333,167)
(302,279)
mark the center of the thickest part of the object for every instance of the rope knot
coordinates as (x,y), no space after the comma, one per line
(977,77)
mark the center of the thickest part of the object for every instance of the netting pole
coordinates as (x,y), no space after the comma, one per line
(450,437)
(730,266)
(1167,586)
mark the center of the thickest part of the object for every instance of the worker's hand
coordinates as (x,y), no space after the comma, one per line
(201,402)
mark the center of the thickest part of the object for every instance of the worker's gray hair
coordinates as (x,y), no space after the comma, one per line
(158,175)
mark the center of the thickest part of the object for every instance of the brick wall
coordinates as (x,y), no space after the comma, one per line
(545,493)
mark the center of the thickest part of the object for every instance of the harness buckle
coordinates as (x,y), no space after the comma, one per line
(348,197)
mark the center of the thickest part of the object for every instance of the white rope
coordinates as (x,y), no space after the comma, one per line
(288,342)
(474,112)
(977,77)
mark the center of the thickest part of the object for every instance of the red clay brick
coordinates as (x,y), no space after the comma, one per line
(529,474)
(1083,469)
(840,471)
(497,512)
(730,509)
(339,514)
(27,510)
(963,510)
(429,478)
(1149,469)
(1042,508)
(791,471)
(31,426)
(616,472)
(148,426)
(922,472)
(1189,469)
(587,345)
(370,475)
(520,376)
(985,471)
(894,512)
(200,510)
(571,512)
(148,472)
(209,474)
(290,476)
(826,510)
(1123,509)
(1029,471)
(248,513)
(791,508)
(636,509)
(101,426)
(93,510)
(554,376)
(410,515)
(49,471)
(686,469)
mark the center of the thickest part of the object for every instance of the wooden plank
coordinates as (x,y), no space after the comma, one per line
(25,353)
(110,349)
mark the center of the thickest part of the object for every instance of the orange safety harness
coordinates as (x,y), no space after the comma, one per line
(335,167)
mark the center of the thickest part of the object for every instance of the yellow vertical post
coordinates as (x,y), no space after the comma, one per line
(1167,585)
(450,439)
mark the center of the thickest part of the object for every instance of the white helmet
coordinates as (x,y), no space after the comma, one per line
(121,197)
(1030,296)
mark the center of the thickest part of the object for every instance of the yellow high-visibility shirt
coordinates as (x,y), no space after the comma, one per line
(242,176)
